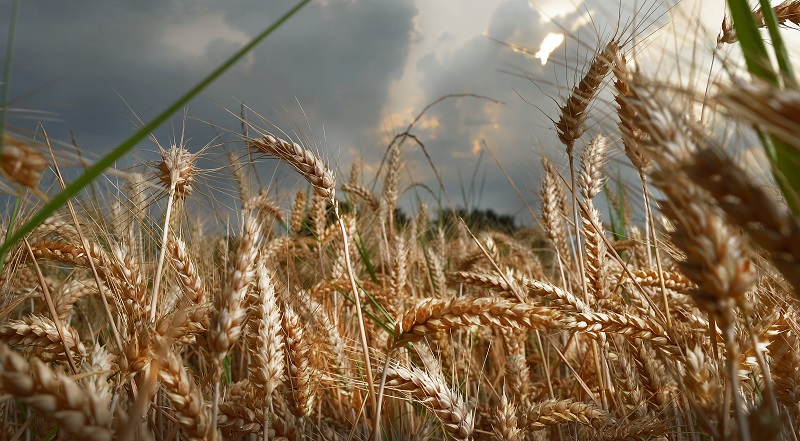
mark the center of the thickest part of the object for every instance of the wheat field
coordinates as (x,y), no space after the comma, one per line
(328,316)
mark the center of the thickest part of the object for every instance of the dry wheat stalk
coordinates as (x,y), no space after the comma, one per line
(436,315)
(716,260)
(390,188)
(399,271)
(99,364)
(303,160)
(700,379)
(69,293)
(785,364)
(432,392)
(632,134)
(127,278)
(559,297)
(652,376)
(639,429)
(319,216)
(517,372)
(242,183)
(264,206)
(595,262)
(238,417)
(55,396)
(56,226)
(230,309)
(184,323)
(486,281)
(764,105)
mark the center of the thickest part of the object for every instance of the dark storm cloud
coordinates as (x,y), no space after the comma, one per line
(336,58)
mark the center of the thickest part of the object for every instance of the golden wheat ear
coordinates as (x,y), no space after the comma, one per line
(21,163)
(301,159)
(446,404)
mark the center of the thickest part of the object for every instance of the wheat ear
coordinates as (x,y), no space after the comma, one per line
(265,339)
(435,315)
(445,403)
(21,163)
(303,160)
(230,311)
(555,411)
(55,396)
(40,335)
(300,370)
(176,171)
(184,394)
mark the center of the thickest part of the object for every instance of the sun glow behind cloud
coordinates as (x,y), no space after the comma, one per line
(551,41)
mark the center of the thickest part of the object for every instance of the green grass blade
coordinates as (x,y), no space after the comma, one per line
(95,170)
(753,47)
(781,54)
(784,160)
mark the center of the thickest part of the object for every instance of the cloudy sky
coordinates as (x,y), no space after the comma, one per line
(348,73)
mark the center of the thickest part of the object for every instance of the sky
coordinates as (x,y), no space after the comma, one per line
(346,75)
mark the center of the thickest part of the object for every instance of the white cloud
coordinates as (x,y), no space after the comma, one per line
(551,41)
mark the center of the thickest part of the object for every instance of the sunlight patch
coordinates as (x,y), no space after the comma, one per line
(552,9)
(549,44)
